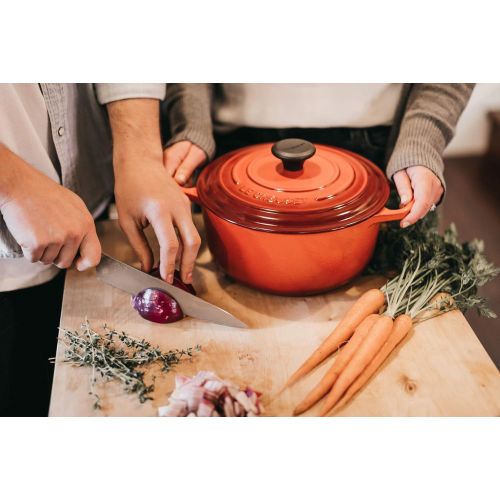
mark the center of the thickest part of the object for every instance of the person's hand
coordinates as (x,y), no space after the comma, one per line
(146,194)
(49,222)
(422,185)
(181,159)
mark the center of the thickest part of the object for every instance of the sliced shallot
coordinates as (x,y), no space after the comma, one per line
(207,395)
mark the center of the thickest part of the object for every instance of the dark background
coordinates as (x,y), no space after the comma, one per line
(473,203)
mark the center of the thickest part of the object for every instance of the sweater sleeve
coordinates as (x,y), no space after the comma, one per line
(187,108)
(109,92)
(428,125)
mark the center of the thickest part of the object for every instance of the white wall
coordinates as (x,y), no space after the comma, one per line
(473,128)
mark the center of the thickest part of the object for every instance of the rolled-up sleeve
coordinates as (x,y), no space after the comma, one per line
(109,92)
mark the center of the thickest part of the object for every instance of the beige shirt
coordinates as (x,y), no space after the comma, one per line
(64,133)
(25,130)
(306,105)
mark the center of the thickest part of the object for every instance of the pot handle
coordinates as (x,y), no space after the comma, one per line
(191,193)
(387,214)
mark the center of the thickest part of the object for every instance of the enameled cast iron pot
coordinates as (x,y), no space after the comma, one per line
(293,218)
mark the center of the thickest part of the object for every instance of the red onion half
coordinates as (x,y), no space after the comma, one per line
(157,305)
(154,304)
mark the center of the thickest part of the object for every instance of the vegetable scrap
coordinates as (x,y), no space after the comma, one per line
(207,395)
(117,356)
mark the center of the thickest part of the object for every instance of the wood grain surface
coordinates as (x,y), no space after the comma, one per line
(440,370)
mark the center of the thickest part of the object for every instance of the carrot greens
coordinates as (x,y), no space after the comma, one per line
(428,264)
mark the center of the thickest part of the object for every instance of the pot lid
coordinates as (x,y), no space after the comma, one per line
(293,186)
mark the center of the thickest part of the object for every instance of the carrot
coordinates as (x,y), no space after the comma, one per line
(338,365)
(375,339)
(369,302)
(402,325)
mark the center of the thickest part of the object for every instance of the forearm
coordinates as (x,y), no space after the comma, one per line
(146,192)
(12,169)
(428,125)
(135,126)
(187,108)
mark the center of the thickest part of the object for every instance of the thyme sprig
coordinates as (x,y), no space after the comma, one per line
(117,356)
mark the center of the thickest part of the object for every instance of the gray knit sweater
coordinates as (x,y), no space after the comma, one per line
(423,125)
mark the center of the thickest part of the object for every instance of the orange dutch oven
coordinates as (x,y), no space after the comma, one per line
(293,218)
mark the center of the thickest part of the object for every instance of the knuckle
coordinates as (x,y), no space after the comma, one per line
(28,255)
(36,242)
(58,239)
(89,223)
(32,254)
(172,156)
(38,246)
(96,249)
(156,207)
(194,242)
(172,248)
(72,236)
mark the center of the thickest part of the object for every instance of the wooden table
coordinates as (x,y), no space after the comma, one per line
(440,370)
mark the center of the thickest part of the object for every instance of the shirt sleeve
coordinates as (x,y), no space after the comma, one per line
(428,125)
(187,109)
(109,92)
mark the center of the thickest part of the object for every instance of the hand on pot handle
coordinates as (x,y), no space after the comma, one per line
(388,214)
(191,193)
(423,186)
(181,159)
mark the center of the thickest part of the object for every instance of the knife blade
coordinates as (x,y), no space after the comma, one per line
(131,280)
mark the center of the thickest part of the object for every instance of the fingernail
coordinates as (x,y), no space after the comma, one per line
(170,278)
(83,265)
(404,199)
(189,277)
(405,224)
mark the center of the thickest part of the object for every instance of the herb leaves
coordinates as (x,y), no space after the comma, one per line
(441,263)
(117,356)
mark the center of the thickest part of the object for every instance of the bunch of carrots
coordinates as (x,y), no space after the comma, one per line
(381,318)
(369,338)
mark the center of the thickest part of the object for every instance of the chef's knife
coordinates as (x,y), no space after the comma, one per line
(131,280)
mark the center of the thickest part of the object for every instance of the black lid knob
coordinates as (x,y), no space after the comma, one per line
(293,153)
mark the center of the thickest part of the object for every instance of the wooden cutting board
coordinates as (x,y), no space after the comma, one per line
(440,370)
